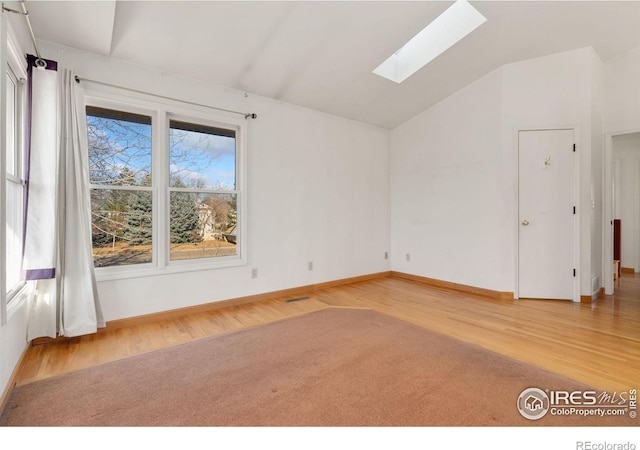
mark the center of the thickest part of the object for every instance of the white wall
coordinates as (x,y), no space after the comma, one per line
(318,190)
(622,92)
(13,342)
(597,169)
(454,170)
(446,189)
(556,91)
(626,149)
(621,116)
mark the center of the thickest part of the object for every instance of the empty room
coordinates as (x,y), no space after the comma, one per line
(320,214)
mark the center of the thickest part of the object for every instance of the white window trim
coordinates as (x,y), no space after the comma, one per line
(11,59)
(3,121)
(161,111)
(142,269)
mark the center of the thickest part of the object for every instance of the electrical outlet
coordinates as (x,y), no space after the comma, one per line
(386,255)
(408,257)
(254,273)
(310,265)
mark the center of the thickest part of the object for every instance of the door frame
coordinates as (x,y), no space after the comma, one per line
(607,216)
(576,201)
(636,203)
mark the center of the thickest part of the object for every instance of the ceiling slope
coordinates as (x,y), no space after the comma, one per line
(86,25)
(321,54)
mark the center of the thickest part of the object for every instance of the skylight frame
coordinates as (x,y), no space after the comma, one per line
(449,28)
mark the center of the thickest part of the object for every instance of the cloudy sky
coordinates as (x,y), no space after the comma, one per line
(206,160)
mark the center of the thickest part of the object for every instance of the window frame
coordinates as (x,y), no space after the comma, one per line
(171,116)
(127,108)
(162,111)
(15,67)
(17,175)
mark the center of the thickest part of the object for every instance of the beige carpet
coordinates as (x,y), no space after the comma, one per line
(335,367)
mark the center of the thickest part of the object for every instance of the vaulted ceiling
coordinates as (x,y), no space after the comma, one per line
(320,54)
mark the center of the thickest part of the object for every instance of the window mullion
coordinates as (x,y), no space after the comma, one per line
(204,191)
(161,182)
(118,187)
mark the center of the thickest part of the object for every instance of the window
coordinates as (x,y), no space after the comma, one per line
(203,196)
(164,190)
(15,184)
(120,150)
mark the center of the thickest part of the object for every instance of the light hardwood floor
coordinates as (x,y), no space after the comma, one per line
(598,344)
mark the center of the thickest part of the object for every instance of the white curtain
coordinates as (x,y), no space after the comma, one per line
(79,302)
(67,305)
(39,260)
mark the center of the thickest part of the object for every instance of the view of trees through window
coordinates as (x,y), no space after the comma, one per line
(202,183)
(200,187)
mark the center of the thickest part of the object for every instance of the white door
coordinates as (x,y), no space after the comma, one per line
(546,236)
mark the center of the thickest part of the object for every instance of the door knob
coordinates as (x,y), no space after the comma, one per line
(525,222)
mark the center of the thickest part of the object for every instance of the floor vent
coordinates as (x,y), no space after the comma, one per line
(297,299)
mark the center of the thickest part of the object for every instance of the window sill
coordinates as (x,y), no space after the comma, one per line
(148,270)
(17,301)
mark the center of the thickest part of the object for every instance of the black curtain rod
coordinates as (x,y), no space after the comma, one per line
(245,115)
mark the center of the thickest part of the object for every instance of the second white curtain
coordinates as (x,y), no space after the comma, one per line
(69,305)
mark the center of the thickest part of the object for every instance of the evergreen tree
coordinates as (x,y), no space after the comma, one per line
(138,229)
(185,220)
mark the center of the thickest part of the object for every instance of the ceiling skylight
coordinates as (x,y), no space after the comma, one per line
(448,28)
